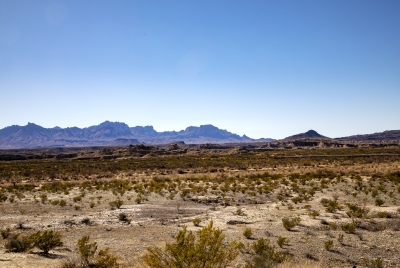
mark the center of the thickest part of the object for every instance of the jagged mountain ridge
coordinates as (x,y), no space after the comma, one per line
(109,134)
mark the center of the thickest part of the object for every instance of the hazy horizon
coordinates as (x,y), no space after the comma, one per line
(266,69)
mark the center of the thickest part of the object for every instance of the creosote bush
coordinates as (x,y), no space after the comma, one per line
(373,263)
(46,240)
(290,223)
(116,204)
(264,255)
(123,217)
(328,245)
(282,241)
(349,228)
(207,250)
(248,233)
(5,233)
(18,244)
(196,221)
(91,258)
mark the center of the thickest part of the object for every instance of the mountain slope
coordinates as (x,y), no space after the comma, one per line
(378,136)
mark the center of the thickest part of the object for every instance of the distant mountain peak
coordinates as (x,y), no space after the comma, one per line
(311,134)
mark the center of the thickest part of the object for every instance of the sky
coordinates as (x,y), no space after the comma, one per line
(262,68)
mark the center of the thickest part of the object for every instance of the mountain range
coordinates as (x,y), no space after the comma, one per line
(120,134)
(111,134)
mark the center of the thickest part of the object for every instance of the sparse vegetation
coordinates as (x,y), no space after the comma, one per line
(235,187)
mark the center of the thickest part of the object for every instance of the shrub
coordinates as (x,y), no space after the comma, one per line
(240,212)
(63,203)
(349,228)
(247,233)
(5,233)
(77,198)
(85,249)
(139,199)
(196,221)
(106,260)
(373,263)
(340,238)
(92,204)
(384,214)
(18,244)
(123,217)
(4,197)
(117,203)
(379,202)
(313,213)
(46,240)
(43,198)
(356,211)
(333,225)
(282,241)
(331,205)
(207,249)
(328,245)
(86,221)
(290,223)
(263,255)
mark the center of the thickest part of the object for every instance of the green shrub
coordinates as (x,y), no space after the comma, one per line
(313,213)
(4,197)
(384,214)
(43,198)
(106,260)
(248,233)
(92,204)
(18,244)
(340,238)
(87,251)
(196,221)
(240,212)
(117,203)
(349,228)
(140,199)
(331,205)
(333,225)
(379,202)
(5,233)
(373,263)
(63,203)
(263,255)
(290,223)
(46,240)
(207,249)
(356,211)
(328,245)
(282,241)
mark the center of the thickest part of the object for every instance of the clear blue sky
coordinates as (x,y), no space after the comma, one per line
(260,68)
